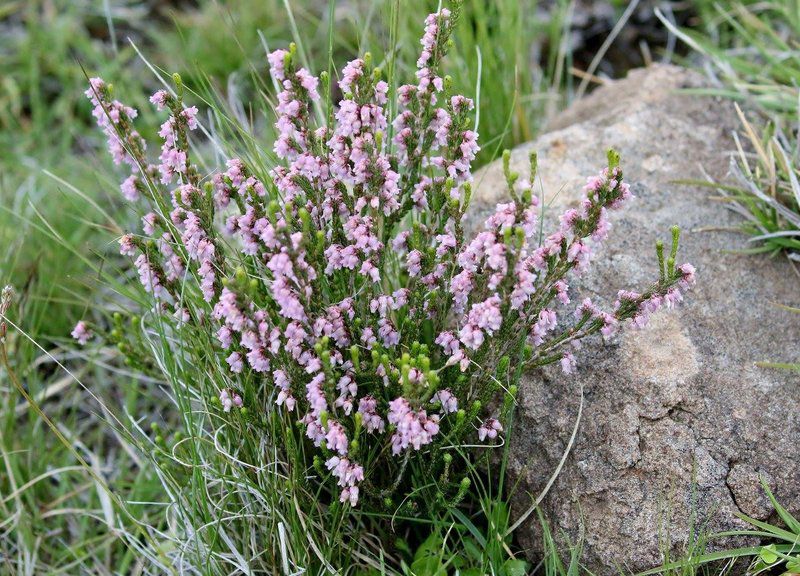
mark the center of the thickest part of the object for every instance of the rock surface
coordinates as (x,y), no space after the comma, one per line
(678,423)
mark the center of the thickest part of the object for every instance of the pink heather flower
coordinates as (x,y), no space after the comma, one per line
(276,64)
(316,396)
(190,115)
(672,297)
(447,341)
(688,272)
(447,399)
(486,315)
(160,99)
(149,221)
(82,333)
(460,288)
(580,253)
(413,262)
(626,295)
(547,321)
(489,429)
(610,325)
(285,391)
(640,320)
(471,336)
(149,277)
(225,336)
(229,399)
(412,428)
(129,189)
(349,494)
(336,438)
(127,246)
(314,430)
(568,363)
(587,308)
(348,474)
(235,362)
(368,408)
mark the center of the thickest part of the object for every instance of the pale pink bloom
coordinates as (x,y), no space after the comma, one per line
(229,399)
(471,336)
(160,99)
(129,188)
(412,428)
(489,429)
(349,494)
(688,272)
(447,399)
(562,291)
(368,408)
(82,333)
(568,363)
(336,438)
(486,315)
(413,261)
(235,362)
(127,247)
(610,325)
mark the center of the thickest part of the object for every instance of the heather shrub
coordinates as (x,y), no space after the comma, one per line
(335,341)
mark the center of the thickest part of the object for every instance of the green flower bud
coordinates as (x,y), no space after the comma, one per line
(613,159)
(507,237)
(534,162)
(433,378)
(660,255)
(424,363)
(241,275)
(520,235)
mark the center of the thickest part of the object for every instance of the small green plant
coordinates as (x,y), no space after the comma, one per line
(752,50)
(780,556)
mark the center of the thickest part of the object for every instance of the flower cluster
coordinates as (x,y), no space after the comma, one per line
(341,281)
